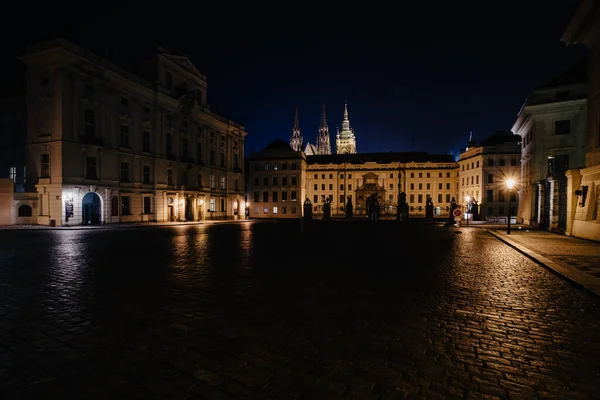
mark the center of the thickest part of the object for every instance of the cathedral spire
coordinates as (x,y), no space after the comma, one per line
(345,139)
(323,145)
(346,111)
(296,139)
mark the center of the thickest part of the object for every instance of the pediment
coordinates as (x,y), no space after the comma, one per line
(185,63)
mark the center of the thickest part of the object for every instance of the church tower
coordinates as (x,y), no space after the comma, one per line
(345,141)
(323,145)
(296,139)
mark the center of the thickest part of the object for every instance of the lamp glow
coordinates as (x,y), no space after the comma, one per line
(510,183)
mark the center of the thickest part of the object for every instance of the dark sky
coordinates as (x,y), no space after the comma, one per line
(416,77)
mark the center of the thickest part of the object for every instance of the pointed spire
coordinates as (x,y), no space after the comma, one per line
(323,119)
(296,120)
(470,136)
(345,110)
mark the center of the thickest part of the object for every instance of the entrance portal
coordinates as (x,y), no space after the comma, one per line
(92,208)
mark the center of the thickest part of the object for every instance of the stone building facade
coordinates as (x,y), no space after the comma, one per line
(276,182)
(105,145)
(483,171)
(552,126)
(583,184)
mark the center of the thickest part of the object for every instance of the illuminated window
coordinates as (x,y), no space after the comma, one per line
(274,210)
(13,174)
(211,205)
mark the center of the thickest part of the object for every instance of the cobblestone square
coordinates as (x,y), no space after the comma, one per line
(288,310)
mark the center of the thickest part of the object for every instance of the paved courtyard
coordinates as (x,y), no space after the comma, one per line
(287,310)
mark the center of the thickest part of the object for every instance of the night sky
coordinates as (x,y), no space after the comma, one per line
(416,77)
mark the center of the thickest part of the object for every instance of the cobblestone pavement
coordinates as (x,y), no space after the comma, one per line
(566,250)
(274,310)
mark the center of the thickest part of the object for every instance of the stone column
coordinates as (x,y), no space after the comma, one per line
(553,210)
(539,212)
(573,183)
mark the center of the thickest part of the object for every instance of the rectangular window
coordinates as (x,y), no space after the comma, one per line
(490,195)
(212,181)
(342,200)
(420,186)
(45,166)
(349,186)
(477,179)
(322,186)
(447,174)
(513,161)
(341,186)
(146,174)
(391,186)
(502,161)
(223,205)
(447,197)
(284,196)
(222,159)
(284,180)
(12,174)
(275,210)
(315,198)
(170,177)
(293,210)
(439,198)
(223,184)
(293,181)
(146,141)
(265,197)
(440,186)
(501,197)
(125,205)
(412,198)
(256,182)
(283,209)
(211,205)
(420,197)
(447,186)
(256,197)
(331,186)
(147,205)
(255,210)
(266,210)
(412,186)
(275,181)
(293,196)
(490,210)
(124,172)
(169,145)
(490,162)
(275,167)
(211,157)
(490,178)
(124,136)
(199,183)
(236,161)
(90,168)
(428,186)
(199,153)
(315,187)
(562,127)
(265,181)
(184,147)
(275,197)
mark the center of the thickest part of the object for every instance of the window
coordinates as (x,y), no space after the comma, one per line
(275,197)
(24,211)
(90,123)
(330,176)
(490,162)
(420,186)
(275,167)
(146,174)
(477,167)
(184,148)
(412,186)
(293,196)
(490,178)
(490,196)
(223,205)
(169,145)
(322,176)
(124,137)
(146,141)
(428,175)
(223,183)
(169,119)
(447,174)
(147,205)
(349,186)
(275,210)
(199,153)
(275,181)
(447,186)
(391,186)
(293,167)
(439,198)
(412,174)
(477,179)
(169,177)
(265,197)
(440,175)
(391,176)
(293,180)
(236,161)
(502,161)
(45,166)
(341,186)
(211,157)
(331,186)
(293,210)
(428,186)
(12,173)
(212,181)
(322,186)
(125,205)
(256,197)
(256,182)
(284,180)
(90,168)
(462,181)
(447,197)
(342,198)
(284,196)
(255,210)
(349,176)
(420,174)
(265,181)
(222,159)
(501,197)
(168,80)
(440,186)
(412,198)
(211,205)
(562,127)
(316,198)
(420,197)
(266,210)
(490,210)
(283,210)
(124,172)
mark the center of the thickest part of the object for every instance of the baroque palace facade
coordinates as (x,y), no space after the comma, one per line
(105,145)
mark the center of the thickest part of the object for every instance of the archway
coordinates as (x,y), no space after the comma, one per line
(25,211)
(91,209)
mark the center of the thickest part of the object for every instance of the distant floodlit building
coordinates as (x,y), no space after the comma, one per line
(482,174)
(105,145)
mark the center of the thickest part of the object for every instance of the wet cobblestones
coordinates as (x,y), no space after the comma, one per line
(283,311)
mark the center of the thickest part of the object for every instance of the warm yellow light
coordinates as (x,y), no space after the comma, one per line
(242,205)
(200,201)
(248,204)
(468,198)
(235,204)
(510,183)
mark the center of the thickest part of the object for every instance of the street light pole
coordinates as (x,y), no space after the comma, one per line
(509,184)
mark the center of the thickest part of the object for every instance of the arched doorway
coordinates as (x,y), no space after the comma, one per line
(92,208)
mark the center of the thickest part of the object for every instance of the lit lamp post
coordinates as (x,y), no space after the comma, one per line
(510,183)
(468,199)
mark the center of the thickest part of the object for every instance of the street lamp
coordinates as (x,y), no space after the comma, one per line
(510,183)
(468,199)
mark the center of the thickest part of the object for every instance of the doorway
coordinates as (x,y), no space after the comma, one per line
(170,213)
(91,209)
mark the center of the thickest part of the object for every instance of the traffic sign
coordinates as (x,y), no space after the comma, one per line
(457,213)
